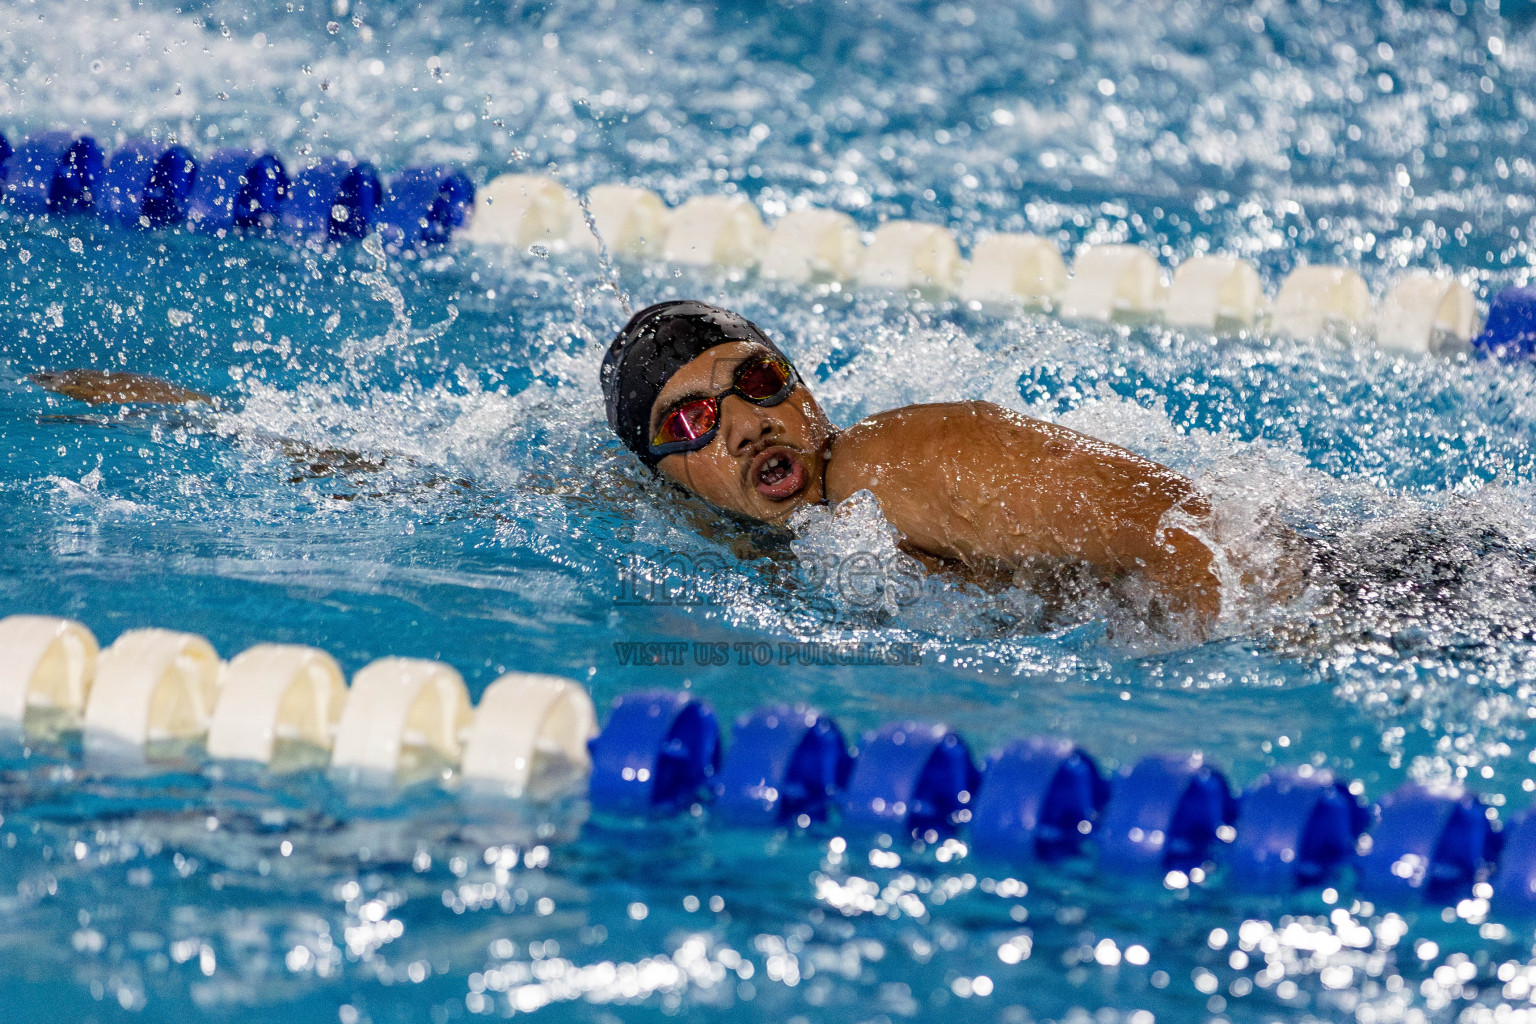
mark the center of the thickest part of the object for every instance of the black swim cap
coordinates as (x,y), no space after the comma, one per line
(656,343)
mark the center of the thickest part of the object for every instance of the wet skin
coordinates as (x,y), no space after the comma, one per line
(964,482)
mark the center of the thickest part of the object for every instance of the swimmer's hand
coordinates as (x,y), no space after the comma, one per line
(106,387)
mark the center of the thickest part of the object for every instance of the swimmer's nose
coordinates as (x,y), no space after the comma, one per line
(745,424)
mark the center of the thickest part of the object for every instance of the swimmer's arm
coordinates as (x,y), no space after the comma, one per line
(1095,501)
(975,483)
(119,387)
(1181,566)
(116,387)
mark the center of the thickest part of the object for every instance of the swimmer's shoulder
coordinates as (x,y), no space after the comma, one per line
(907,431)
(906,445)
(956,427)
(950,416)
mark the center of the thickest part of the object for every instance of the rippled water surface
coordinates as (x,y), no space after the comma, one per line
(506,529)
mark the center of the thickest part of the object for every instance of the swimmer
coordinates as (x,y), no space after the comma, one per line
(709,402)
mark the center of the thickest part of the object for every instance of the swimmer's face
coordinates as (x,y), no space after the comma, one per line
(764,461)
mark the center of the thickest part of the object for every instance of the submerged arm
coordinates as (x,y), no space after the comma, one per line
(104,387)
(311,462)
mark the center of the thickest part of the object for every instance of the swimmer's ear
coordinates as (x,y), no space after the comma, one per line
(103,387)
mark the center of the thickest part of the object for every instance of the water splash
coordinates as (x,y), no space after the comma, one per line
(604,259)
(850,558)
(400,335)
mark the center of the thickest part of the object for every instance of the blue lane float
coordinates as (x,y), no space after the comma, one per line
(911,778)
(424,206)
(786,765)
(657,753)
(147,185)
(1510,330)
(1044,799)
(237,189)
(335,200)
(1514,887)
(1039,801)
(1166,813)
(1431,843)
(54,173)
(1299,828)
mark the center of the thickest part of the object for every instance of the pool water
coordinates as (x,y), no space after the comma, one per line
(497,525)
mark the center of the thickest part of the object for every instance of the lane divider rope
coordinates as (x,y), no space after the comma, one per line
(148,184)
(1169,816)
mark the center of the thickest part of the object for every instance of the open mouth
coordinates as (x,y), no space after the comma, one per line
(778,473)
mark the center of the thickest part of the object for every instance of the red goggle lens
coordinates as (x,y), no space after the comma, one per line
(687,422)
(762,380)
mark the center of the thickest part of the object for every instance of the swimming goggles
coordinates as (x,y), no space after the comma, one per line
(761,380)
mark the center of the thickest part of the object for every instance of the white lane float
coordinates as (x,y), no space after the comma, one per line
(276,694)
(812,245)
(527,727)
(907,254)
(633,222)
(1422,312)
(402,715)
(716,231)
(1318,300)
(1427,313)
(46,664)
(152,686)
(521,210)
(1010,269)
(1208,291)
(1112,282)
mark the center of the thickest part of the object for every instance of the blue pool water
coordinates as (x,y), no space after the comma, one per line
(507,530)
